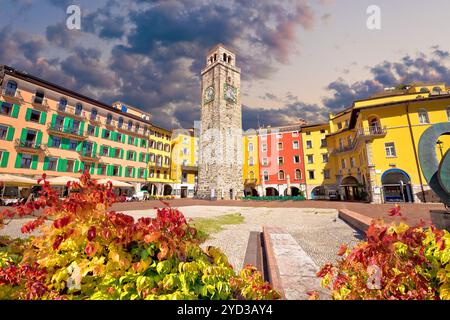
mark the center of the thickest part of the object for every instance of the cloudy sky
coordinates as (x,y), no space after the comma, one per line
(299,59)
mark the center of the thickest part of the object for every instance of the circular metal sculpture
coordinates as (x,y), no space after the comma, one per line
(437,174)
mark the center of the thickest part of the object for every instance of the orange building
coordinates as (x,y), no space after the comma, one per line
(47,128)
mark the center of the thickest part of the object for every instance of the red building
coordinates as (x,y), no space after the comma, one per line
(282,168)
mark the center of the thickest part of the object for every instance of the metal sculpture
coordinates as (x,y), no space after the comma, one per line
(437,174)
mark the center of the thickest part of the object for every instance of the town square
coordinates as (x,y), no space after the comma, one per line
(222,150)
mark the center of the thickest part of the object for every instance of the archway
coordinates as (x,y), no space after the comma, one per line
(318,193)
(352,189)
(295,192)
(167,191)
(272,192)
(397,186)
(151,188)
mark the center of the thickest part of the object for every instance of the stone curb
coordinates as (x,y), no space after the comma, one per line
(355,219)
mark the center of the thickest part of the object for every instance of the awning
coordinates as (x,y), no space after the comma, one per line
(115,183)
(16,181)
(62,181)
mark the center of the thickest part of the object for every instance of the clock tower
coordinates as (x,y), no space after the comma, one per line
(220,160)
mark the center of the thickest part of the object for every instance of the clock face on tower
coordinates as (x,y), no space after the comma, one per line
(209,94)
(230,93)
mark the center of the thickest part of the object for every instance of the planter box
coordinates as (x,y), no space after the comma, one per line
(441,219)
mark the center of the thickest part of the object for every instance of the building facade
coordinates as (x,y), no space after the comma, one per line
(251,174)
(220,163)
(48,129)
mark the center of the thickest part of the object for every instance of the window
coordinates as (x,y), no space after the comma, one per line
(310,159)
(116,171)
(343,165)
(166,161)
(311,174)
(11,88)
(130,155)
(390,150)
(325,158)
(56,143)
(323,143)
(52,164)
(296,159)
(166,147)
(106,134)
(309,144)
(136,127)
(264,147)
(323,131)
(30,137)
(117,153)
(350,141)
(78,109)
(326,174)
(264,162)
(158,173)
(298,174)
(142,173)
(90,130)
(352,162)
(3,132)
(281,175)
(341,143)
(308,133)
(102,169)
(423,116)
(35,116)
(131,140)
(339,125)
(280,146)
(144,143)
(295,145)
(39,97)
(250,147)
(295,134)
(76,126)
(109,118)
(73,144)
(118,137)
(280,161)
(120,123)
(130,125)
(347,122)
(151,173)
(94,114)
(70,165)
(6,108)
(129,172)
(105,151)
(62,104)
(266,176)
(152,157)
(27,159)
(87,167)
(279,135)
(251,161)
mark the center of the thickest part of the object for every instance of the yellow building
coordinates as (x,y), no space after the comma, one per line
(320,176)
(159,159)
(374,145)
(184,168)
(251,163)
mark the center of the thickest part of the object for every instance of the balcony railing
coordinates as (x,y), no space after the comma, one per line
(15,95)
(28,145)
(88,154)
(71,111)
(362,133)
(39,103)
(77,133)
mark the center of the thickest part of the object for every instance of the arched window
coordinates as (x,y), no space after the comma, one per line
(437,90)
(160,145)
(281,175)
(225,57)
(250,147)
(109,118)
(250,161)
(136,127)
(120,122)
(166,148)
(215,57)
(39,97)
(94,114)
(11,88)
(424,90)
(229,59)
(298,174)
(130,125)
(266,176)
(62,104)
(423,116)
(145,130)
(78,109)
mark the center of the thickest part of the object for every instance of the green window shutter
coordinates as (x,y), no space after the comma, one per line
(38,138)
(94,148)
(128,154)
(66,123)
(45,163)
(123,138)
(129,139)
(5,158)
(145,173)
(109,170)
(18,161)
(120,171)
(43,118)
(121,154)
(79,146)
(62,165)
(147,156)
(136,141)
(113,136)
(126,173)
(133,172)
(65,142)
(98,168)
(103,133)
(92,168)
(10,134)
(97,129)
(54,119)
(76,166)
(81,127)
(139,172)
(23,135)
(15,111)
(111,152)
(50,141)
(28,114)
(81,166)
(34,162)
(134,155)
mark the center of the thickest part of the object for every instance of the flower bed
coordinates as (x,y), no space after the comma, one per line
(275,198)
(90,252)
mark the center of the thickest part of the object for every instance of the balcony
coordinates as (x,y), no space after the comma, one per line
(133,131)
(12,96)
(189,168)
(371,132)
(343,149)
(110,124)
(69,132)
(95,119)
(88,155)
(40,103)
(28,146)
(71,112)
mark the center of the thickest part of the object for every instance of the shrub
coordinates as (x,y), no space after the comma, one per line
(86,251)
(396,262)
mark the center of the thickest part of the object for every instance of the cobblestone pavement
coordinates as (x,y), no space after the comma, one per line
(318,231)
